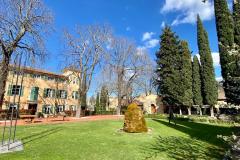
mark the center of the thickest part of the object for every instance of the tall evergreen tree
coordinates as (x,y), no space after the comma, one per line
(229,61)
(197,92)
(104,98)
(186,76)
(168,68)
(233,80)
(97,104)
(236,18)
(210,93)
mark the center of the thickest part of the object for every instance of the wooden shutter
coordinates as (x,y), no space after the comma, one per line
(32,94)
(43,108)
(21,90)
(36,93)
(9,93)
(65,94)
(53,93)
(45,93)
(58,93)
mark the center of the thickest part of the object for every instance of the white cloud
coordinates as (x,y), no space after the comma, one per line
(151,43)
(215,57)
(188,9)
(163,24)
(219,79)
(147,36)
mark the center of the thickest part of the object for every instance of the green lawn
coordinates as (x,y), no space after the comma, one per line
(100,140)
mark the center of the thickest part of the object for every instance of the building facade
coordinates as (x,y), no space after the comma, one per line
(40,90)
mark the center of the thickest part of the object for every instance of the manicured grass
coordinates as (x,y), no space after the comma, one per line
(100,140)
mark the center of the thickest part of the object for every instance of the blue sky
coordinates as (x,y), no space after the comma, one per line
(139,20)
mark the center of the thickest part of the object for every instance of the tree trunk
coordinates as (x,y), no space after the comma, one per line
(212,111)
(4,68)
(78,112)
(79,109)
(200,111)
(118,110)
(189,111)
(180,110)
(119,88)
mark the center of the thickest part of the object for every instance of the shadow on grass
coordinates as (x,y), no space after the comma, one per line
(39,135)
(182,149)
(203,143)
(202,131)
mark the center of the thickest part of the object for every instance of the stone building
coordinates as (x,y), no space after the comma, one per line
(40,90)
(151,103)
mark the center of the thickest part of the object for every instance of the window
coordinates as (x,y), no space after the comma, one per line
(73,108)
(50,78)
(75,95)
(35,76)
(49,93)
(60,108)
(47,109)
(62,94)
(15,90)
(13,106)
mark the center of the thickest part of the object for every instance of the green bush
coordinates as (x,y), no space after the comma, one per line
(158,116)
(134,121)
(195,118)
(40,115)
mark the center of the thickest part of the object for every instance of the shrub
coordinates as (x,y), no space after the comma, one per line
(134,121)
(40,115)
(70,113)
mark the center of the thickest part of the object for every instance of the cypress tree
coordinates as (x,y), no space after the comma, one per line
(232,82)
(197,92)
(97,104)
(186,76)
(103,98)
(168,68)
(225,33)
(236,18)
(209,85)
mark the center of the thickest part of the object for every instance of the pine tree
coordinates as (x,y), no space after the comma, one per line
(97,104)
(209,87)
(168,68)
(197,92)
(186,76)
(104,98)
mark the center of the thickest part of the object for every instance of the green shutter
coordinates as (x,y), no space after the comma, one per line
(32,94)
(45,93)
(77,95)
(65,94)
(73,94)
(54,93)
(43,108)
(21,90)
(58,94)
(9,93)
(36,93)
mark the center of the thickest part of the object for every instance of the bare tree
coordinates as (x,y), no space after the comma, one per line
(144,82)
(83,53)
(23,24)
(124,64)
